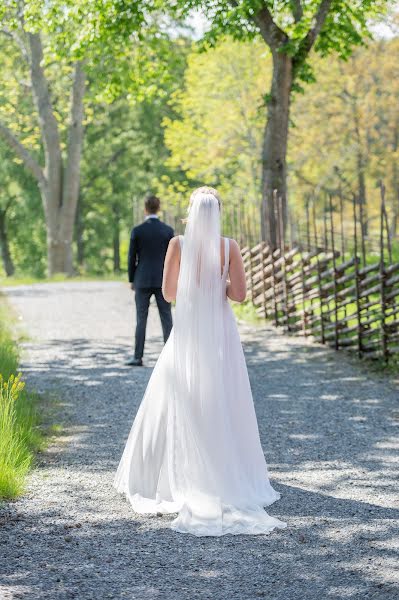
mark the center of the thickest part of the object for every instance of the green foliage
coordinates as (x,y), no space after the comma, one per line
(350,116)
(9,355)
(220,151)
(20,436)
(157,121)
(15,459)
(124,158)
(345,26)
(246,312)
(21,205)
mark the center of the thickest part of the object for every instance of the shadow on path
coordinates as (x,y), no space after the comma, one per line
(328,432)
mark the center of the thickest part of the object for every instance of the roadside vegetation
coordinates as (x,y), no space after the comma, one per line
(22,433)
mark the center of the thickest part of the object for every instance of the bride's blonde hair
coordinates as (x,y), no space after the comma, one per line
(205,189)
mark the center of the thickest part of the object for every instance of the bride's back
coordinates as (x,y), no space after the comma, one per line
(199,259)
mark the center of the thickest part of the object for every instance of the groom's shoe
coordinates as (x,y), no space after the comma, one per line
(134,362)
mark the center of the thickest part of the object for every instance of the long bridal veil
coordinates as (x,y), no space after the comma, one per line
(209,479)
(198,412)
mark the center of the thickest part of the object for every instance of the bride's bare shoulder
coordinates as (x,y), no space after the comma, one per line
(173,248)
(234,246)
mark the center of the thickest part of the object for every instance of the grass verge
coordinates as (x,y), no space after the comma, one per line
(246,312)
(60,278)
(21,431)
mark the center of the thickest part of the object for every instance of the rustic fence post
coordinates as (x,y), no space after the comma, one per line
(362,230)
(325,225)
(388,236)
(357,283)
(341,211)
(319,277)
(307,223)
(383,330)
(283,260)
(263,248)
(303,289)
(335,275)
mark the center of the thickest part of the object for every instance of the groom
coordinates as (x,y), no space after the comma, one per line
(148,244)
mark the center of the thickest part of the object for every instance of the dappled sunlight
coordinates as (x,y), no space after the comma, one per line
(329,437)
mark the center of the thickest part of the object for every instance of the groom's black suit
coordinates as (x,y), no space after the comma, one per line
(148,245)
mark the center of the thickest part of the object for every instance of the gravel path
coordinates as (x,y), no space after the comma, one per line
(327,428)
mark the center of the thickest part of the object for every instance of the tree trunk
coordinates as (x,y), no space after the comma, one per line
(8,264)
(274,164)
(286,64)
(58,253)
(79,224)
(59,185)
(59,235)
(71,180)
(116,246)
(58,182)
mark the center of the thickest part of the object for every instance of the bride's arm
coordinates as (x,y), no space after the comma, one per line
(171,270)
(237,286)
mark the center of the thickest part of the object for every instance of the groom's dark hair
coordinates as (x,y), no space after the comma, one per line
(152,204)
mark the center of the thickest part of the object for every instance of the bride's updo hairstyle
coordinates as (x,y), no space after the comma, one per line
(206,190)
(202,191)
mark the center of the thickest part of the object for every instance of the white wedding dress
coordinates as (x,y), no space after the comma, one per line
(194,446)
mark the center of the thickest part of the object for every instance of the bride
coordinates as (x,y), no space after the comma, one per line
(194,446)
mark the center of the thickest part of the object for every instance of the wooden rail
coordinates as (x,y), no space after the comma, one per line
(314,289)
(333,300)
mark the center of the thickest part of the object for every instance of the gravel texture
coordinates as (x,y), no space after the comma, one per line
(329,432)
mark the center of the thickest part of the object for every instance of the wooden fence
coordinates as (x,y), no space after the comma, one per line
(337,299)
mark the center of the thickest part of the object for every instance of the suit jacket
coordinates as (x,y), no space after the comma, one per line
(148,245)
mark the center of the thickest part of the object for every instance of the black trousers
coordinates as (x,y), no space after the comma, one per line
(143,297)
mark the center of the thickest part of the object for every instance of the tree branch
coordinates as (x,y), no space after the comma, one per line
(24,154)
(269,30)
(310,38)
(14,36)
(75,140)
(297,10)
(47,120)
(8,205)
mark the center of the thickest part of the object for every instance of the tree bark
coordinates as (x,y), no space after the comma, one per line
(8,264)
(79,229)
(70,191)
(274,166)
(116,246)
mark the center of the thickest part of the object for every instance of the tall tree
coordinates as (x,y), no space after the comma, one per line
(57,175)
(291,29)
(64,34)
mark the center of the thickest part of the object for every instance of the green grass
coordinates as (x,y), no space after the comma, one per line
(21,433)
(246,312)
(22,279)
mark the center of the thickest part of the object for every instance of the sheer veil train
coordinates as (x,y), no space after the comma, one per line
(194,447)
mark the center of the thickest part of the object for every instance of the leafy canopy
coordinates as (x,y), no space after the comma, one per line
(292,23)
